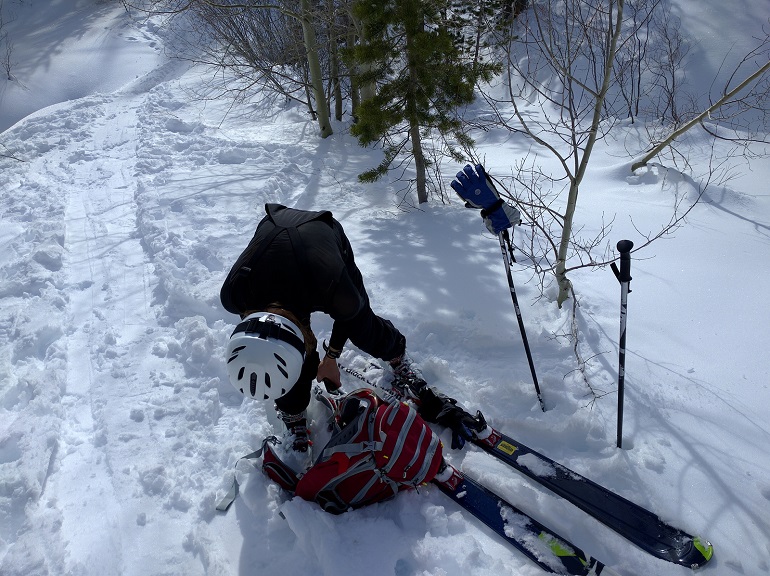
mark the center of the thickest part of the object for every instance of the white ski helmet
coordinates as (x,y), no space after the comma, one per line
(265,356)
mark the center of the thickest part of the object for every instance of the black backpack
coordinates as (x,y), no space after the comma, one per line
(234,292)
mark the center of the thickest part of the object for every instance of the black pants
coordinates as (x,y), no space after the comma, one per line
(369,333)
(374,335)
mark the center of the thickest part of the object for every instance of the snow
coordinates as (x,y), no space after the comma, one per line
(119,431)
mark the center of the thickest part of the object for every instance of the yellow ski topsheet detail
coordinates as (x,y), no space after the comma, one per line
(506,447)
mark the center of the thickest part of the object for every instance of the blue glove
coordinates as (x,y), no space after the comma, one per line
(478,191)
(501,218)
(475,187)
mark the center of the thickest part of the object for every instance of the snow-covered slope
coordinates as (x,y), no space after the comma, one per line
(119,430)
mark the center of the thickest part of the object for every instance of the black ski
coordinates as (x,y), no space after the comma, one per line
(636,524)
(545,548)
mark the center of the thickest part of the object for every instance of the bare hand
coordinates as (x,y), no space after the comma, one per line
(329,373)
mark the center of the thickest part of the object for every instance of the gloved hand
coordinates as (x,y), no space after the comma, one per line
(443,410)
(461,423)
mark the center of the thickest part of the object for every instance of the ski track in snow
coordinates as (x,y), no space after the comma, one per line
(96,275)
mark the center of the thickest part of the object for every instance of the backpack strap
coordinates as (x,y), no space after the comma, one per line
(298,247)
(232,493)
(422,451)
(405,429)
(331,501)
(354,448)
(426,463)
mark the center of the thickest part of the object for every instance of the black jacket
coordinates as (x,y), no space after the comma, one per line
(303,261)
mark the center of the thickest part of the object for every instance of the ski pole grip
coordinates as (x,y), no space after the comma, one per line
(624,247)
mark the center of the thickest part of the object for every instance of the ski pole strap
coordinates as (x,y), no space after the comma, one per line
(507,244)
(623,274)
(232,493)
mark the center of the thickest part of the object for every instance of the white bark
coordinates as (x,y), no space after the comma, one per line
(685,127)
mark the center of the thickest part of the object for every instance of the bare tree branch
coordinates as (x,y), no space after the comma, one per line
(685,127)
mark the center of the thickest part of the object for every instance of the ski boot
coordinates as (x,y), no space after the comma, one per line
(407,379)
(296,442)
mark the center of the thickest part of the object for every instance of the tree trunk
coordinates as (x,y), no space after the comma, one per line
(419,162)
(334,57)
(316,78)
(367,89)
(350,39)
(561,258)
(336,84)
(411,109)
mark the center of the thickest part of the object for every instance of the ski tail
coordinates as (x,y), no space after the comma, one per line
(551,552)
(638,525)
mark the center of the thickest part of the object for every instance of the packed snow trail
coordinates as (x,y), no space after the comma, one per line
(112,310)
(104,279)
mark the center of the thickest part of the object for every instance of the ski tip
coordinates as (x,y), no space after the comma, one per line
(705,549)
(694,553)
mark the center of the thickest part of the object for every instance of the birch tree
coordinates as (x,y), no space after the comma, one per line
(587,65)
(757,79)
(564,61)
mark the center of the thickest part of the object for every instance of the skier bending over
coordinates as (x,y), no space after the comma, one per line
(299,262)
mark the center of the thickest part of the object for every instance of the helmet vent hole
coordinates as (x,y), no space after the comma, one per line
(253,384)
(238,349)
(267,380)
(284,372)
(233,357)
(240,373)
(280,359)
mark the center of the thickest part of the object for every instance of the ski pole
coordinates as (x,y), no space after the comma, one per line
(624,276)
(507,250)
(478,191)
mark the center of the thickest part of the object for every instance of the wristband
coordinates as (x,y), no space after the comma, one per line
(331,352)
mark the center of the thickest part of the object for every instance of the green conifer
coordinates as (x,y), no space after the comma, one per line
(415,52)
